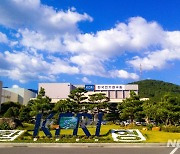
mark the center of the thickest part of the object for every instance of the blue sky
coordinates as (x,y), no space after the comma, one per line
(88,41)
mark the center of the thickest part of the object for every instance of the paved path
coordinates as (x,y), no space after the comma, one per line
(87,150)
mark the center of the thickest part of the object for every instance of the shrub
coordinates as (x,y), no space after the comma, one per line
(174,129)
(62,136)
(27,134)
(5,106)
(149,126)
(9,113)
(91,137)
(109,123)
(5,126)
(108,138)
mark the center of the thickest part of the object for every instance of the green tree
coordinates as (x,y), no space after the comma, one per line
(150,110)
(99,99)
(65,106)
(155,89)
(16,111)
(131,107)
(168,110)
(77,95)
(42,104)
(24,115)
(113,113)
(9,113)
(5,106)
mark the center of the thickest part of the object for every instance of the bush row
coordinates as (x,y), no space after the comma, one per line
(174,129)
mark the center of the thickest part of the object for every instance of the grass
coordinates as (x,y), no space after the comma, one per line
(26,126)
(104,130)
(160,136)
(151,136)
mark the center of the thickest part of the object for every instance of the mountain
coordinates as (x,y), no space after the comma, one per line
(155,89)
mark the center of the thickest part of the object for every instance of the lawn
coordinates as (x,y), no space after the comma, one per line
(159,136)
(151,136)
(104,130)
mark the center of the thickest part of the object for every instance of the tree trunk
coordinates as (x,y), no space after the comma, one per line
(147,120)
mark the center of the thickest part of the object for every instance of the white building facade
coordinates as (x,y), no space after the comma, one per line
(20,95)
(116,92)
(57,91)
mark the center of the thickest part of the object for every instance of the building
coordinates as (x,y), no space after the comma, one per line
(116,93)
(57,91)
(20,95)
(8,96)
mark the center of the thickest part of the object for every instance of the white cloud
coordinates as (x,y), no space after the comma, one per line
(24,67)
(86,80)
(135,36)
(156,60)
(13,43)
(124,74)
(3,38)
(42,28)
(15,86)
(89,65)
(172,39)
(39,41)
(93,50)
(32,14)
(59,66)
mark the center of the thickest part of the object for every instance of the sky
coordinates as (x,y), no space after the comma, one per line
(88,41)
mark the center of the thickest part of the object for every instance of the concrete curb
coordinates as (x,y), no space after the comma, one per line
(107,145)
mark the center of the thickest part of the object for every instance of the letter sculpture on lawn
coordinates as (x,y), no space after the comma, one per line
(66,120)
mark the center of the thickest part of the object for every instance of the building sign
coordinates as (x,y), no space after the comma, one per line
(109,87)
(66,121)
(89,87)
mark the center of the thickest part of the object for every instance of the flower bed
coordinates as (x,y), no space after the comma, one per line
(129,135)
(10,135)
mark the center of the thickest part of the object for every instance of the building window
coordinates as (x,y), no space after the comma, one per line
(112,94)
(119,94)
